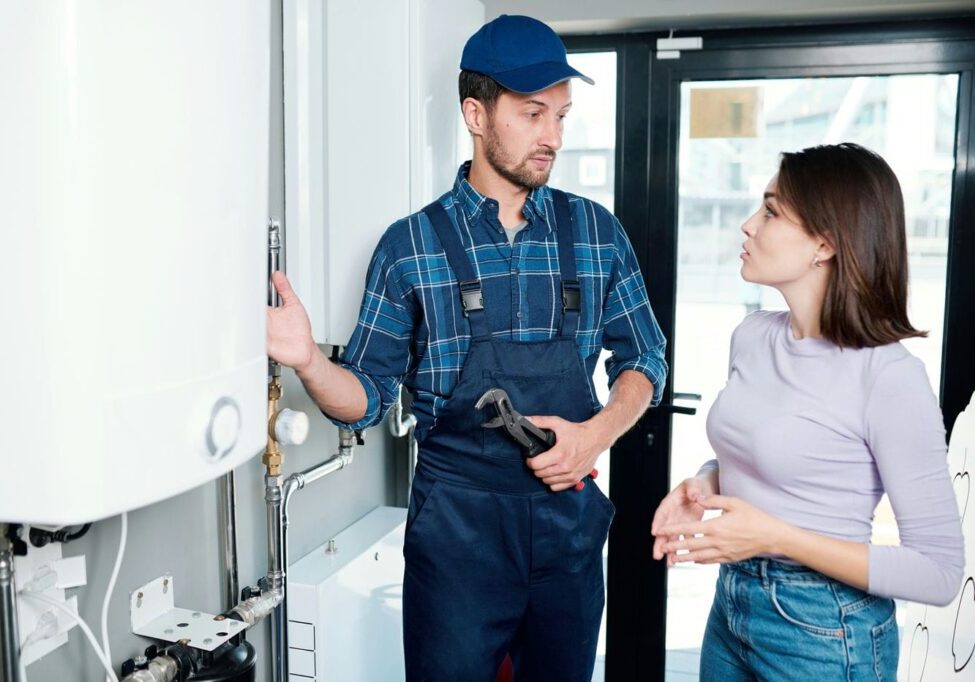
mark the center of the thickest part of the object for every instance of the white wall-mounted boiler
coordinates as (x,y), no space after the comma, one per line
(134,180)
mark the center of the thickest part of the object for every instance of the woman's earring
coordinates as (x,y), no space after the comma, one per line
(816,262)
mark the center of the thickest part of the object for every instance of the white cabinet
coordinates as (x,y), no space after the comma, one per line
(373,132)
(345,608)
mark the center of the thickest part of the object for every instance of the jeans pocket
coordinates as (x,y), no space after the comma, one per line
(886,643)
(853,600)
(809,605)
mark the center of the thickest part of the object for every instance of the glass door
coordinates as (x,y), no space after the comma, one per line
(696,139)
(731,133)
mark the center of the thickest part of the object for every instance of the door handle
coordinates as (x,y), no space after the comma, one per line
(676,409)
(680,409)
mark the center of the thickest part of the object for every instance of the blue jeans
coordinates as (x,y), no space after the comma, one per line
(772,621)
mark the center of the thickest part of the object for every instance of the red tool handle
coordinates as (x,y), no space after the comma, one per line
(582,484)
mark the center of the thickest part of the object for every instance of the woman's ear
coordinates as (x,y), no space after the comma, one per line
(825,251)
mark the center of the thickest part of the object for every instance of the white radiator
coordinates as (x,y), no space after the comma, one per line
(345,606)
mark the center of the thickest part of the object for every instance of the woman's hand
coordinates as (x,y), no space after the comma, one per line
(741,532)
(679,507)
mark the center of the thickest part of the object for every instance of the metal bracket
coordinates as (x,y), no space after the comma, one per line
(153,613)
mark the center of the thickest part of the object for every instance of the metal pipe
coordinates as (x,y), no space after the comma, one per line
(400,427)
(9,637)
(227,492)
(282,498)
(276,580)
(274,242)
(273,458)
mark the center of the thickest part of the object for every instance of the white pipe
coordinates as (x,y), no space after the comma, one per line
(102,658)
(123,535)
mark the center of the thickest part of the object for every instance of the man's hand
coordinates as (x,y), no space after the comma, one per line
(682,505)
(577,446)
(289,339)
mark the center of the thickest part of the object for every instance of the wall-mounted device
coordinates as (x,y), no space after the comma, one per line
(135,143)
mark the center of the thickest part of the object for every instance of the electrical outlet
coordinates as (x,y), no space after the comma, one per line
(44,571)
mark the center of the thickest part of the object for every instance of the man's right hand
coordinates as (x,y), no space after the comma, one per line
(289,339)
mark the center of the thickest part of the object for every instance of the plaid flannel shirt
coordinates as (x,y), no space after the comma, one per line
(412,330)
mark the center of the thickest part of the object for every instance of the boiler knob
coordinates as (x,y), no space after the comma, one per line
(291,427)
(224,427)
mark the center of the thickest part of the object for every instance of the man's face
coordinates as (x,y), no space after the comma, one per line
(524,132)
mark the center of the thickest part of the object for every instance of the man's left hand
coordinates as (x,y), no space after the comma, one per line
(577,446)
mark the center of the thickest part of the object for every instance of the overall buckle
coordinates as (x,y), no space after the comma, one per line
(470,296)
(571,295)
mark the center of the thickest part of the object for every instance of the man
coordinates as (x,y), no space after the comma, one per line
(502,282)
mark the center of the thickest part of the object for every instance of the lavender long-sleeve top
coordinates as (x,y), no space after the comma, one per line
(814,434)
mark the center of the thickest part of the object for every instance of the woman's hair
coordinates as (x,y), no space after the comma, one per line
(849,196)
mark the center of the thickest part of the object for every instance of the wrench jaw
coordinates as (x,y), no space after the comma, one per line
(496,396)
(533,441)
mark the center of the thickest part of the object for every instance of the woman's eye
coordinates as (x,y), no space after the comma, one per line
(769,213)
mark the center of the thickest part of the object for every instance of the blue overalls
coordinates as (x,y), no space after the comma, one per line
(496,562)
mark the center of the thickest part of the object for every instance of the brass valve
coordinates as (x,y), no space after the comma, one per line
(272,453)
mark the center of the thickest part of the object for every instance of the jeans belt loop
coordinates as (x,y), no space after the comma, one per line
(763,569)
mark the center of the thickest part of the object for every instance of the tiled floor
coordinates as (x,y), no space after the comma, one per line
(681,666)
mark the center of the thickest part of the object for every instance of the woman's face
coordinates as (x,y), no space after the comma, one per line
(778,251)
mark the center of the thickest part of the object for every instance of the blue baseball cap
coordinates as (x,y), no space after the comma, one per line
(522,54)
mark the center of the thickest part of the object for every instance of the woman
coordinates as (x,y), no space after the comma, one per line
(824,411)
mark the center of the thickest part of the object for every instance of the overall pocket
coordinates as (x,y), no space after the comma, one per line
(420,498)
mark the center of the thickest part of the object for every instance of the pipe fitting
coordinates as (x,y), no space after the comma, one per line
(272,488)
(255,609)
(398,426)
(273,458)
(160,669)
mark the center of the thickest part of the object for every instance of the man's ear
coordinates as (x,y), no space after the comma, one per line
(475,116)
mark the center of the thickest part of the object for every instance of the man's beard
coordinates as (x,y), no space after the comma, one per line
(518,174)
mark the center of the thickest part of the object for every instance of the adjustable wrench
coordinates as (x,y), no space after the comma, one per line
(532,439)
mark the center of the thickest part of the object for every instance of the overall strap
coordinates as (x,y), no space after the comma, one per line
(471,297)
(571,292)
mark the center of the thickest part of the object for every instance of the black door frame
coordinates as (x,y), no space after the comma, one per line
(648,98)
